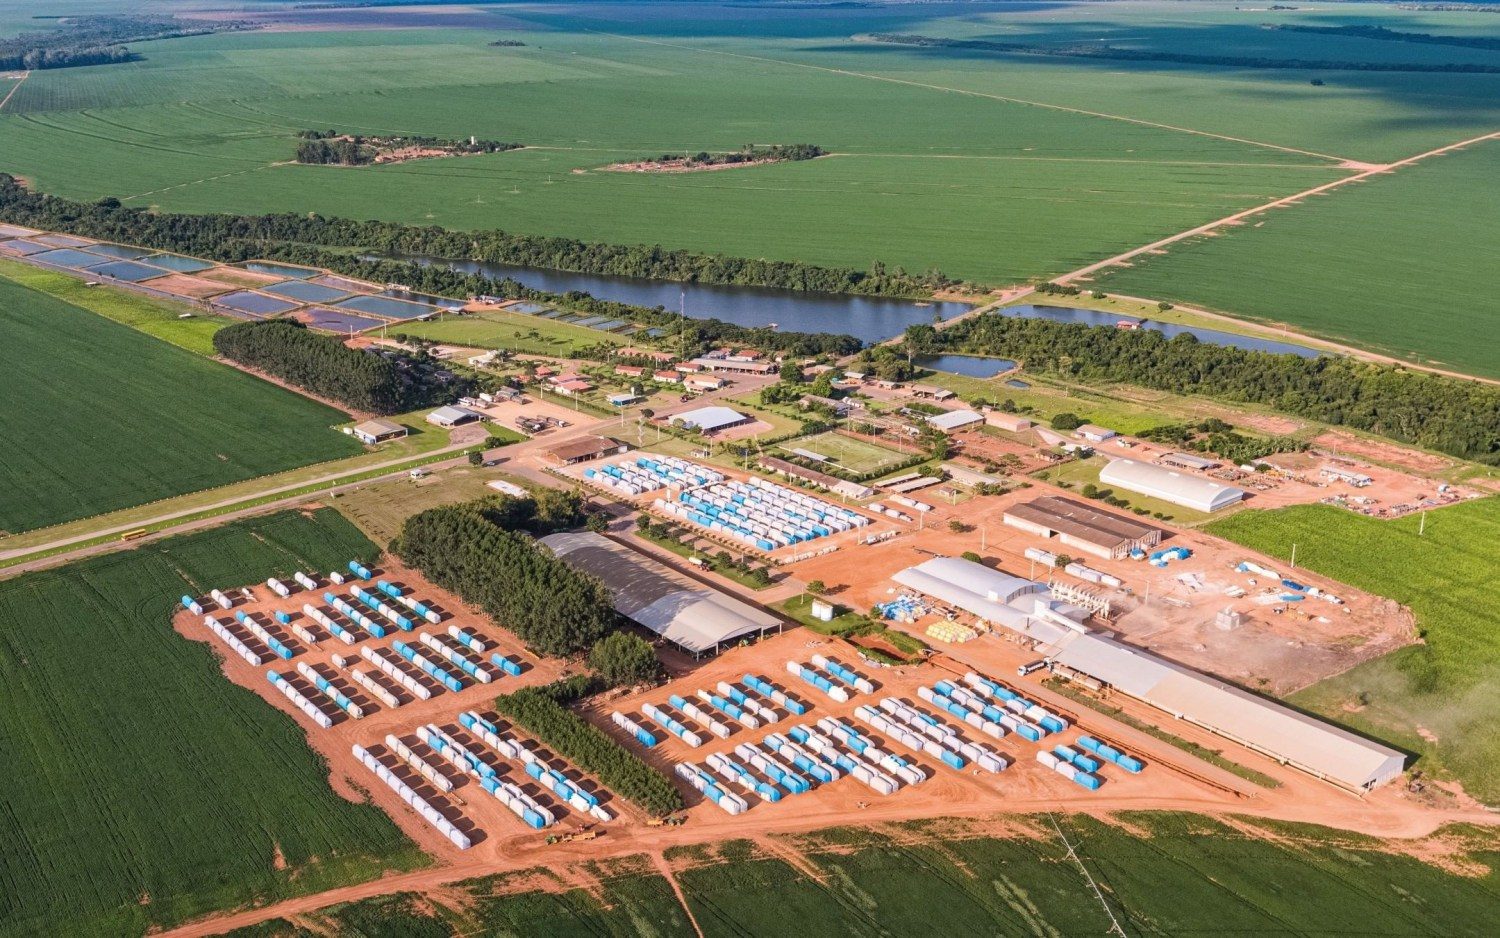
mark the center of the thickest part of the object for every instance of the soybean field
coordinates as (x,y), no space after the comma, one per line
(141,787)
(1171,874)
(1436,698)
(98,416)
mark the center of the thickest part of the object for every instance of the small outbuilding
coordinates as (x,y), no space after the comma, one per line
(954,420)
(378,431)
(712,419)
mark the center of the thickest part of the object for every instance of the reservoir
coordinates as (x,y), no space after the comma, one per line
(975,366)
(868,318)
(1094,317)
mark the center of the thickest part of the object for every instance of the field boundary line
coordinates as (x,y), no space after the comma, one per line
(981,94)
(660,861)
(1119,259)
(14,88)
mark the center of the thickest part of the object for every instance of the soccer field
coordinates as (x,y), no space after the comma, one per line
(141,788)
(97,417)
(854,456)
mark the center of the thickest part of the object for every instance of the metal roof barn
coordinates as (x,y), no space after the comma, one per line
(688,614)
(955,420)
(709,419)
(1160,482)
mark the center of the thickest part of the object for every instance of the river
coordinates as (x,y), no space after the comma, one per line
(870,319)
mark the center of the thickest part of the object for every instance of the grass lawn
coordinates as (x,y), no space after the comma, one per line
(99,417)
(855,456)
(1436,699)
(517,332)
(153,790)
(380,508)
(1080,472)
(158,318)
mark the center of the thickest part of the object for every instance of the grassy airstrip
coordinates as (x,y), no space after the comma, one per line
(1437,698)
(141,788)
(80,387)
(1168,874)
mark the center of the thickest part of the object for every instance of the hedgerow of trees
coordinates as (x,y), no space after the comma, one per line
(776,153)
(537,712)
(387,382)
(1451,415)
(1097,51)
(301,239)
(330,147)
(96,40)
(553,608)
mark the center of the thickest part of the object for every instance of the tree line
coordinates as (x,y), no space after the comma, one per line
(383,382)
(553,608)
(749,153)
(96,40)
(1386,34)
(540,714)
(1451,415)
(1118,53)
(332,147)
(302,239)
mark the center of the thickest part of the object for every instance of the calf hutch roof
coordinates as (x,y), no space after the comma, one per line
(1074,518)
(709,419)
(1160,482)
(683,611)
(1304,742)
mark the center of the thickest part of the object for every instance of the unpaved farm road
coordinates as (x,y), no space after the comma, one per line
(1389,821)
(1276,203)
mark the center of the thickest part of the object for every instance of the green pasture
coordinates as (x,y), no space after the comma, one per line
(1437,698)
(156,790)
(99,417)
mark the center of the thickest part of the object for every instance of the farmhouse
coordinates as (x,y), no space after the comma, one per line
(1083,527)
(1169,486)
(931,392)
(378,431)
(840,408)
(712,419)
(704,383)
(694,617)
(575,386)
(453,416)
(585,449)
(629,371)
(667,377)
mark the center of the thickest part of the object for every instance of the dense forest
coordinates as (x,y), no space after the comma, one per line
(1451,415)
(553,608)
(96,40)
(1098,51)
(300,239)
(387,382)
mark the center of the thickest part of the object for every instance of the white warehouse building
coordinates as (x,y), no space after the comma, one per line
(1169,485)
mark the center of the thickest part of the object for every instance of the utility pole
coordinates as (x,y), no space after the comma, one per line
(1422,525)
(1294,555)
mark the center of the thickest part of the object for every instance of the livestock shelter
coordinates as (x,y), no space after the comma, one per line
(1168,485)
(1082,526)
(696,618)
(378,431)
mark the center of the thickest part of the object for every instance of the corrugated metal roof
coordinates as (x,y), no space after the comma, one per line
(709,419)
(953,419)
(997,598)
(1304,741)
(673,606)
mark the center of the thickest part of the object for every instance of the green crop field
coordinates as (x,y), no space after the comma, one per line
(995,166)
(99,416)
(1168,874)
(1438,698)
(141,787)
(1394,263)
